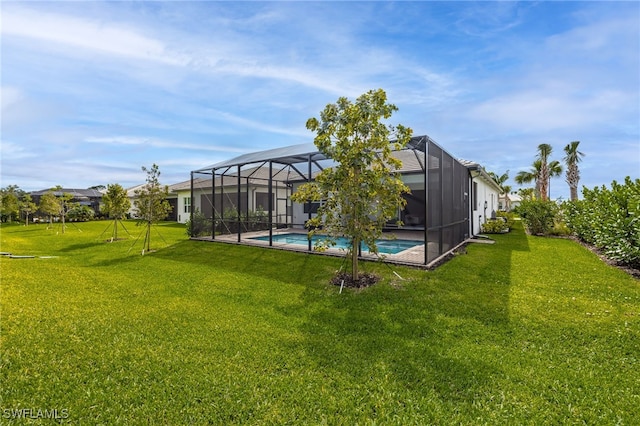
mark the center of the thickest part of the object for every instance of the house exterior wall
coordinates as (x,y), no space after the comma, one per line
(484,201)
(258,199)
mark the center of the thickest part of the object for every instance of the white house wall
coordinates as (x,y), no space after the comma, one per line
(184,197)
(484,202)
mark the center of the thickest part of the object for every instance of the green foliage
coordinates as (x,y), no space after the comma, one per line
(28,207)
(80,213)
(49,205)
(230,223)
(539,216)
(509,217)
(198,225)
(495,226)
(363,190)
(151,200)
(9,203)
(609,219)
(521,332)
(115,202)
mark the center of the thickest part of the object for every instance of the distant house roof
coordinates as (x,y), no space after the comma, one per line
(76,193)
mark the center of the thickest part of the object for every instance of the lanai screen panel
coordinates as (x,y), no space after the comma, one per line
(238,189)
(447,203)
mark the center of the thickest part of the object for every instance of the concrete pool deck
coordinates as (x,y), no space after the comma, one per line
(413,256)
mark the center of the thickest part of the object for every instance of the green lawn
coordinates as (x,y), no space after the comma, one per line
(525,331)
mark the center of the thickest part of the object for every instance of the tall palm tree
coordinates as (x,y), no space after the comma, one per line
(571,159)
(544,152)
(524,177)
(542,172)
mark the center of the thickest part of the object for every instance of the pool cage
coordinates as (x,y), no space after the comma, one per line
(249,197)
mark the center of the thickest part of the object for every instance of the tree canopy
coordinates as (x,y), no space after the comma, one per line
(363,190)
(115,204)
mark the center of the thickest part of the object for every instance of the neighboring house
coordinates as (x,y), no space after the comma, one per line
(85,197)
(508,202)
(448,202)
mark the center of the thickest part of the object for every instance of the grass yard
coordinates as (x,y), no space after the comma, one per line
(525,331)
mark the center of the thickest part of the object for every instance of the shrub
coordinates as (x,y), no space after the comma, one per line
(80,213)
(609,219)
(495,226)
(199,225)
(539,216)
(509,217)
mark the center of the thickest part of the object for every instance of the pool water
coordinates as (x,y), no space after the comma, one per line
(384,246)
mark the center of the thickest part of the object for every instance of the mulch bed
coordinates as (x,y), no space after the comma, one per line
(364,280)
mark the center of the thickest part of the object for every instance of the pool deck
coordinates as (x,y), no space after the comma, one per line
(413,256)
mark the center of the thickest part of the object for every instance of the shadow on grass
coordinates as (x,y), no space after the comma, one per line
(429,336)
(82,246)
(277,265)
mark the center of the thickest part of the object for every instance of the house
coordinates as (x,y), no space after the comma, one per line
(448,202)
(508,202)
(84,197)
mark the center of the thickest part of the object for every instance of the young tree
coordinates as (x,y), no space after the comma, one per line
(363,190)
(571,159)
(49,205)
(116,204)
(28,207)
(9,202)
(64,205)
(151,204)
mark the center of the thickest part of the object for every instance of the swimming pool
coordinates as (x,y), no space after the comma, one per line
(384,246)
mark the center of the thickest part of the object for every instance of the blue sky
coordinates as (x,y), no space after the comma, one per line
(92,91)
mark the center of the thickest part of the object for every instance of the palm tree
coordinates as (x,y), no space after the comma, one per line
(571,159)
(542,172)
(524,177)
(505,189)
(544,152)
(555,170)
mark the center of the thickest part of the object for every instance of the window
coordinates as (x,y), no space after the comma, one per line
(187,204)
(262,201)
(311,207)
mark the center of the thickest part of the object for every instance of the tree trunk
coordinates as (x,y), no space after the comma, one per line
(574,193)
(148,237)
(354,258)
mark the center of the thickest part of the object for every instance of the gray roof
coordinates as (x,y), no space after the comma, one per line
(76,193)
(294,154)
(286,155)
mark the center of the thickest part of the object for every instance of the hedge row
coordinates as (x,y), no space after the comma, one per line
(609,219)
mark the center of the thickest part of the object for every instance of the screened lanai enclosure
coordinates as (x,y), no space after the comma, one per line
(248,200)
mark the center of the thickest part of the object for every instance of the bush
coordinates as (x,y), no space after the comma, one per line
(509,217)
(610,220)
(80,213)
(495,226)
(539,216)
(199,226)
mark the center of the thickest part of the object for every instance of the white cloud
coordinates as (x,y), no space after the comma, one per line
(89,34)
(159,143)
